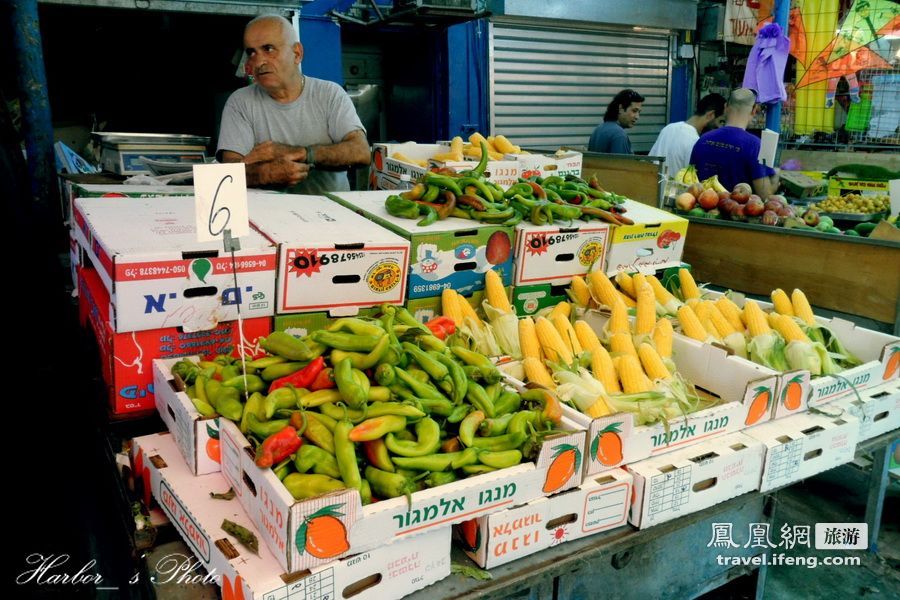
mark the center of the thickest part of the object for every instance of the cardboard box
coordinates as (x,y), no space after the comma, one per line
(839,186)
(746,390)
(392,571)
(75,189)
(561,164)
(654,242)
(555,254)
(425,309)
(452,253)
(801,185)
(529,299)
(692,479)
(329,257)
(279,517)
(878,409)
(126,359)
(301,324)
(504,173)
(599,504)
(159,276)
(383,163)
(803,445)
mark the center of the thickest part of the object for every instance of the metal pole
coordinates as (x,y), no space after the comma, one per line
(32,78)
(773,111)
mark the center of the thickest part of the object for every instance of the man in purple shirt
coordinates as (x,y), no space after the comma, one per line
(732,153)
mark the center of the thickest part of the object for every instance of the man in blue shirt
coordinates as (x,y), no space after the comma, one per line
(621,114)
(732,153)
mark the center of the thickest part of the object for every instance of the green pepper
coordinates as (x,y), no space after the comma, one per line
(478,171)
(350,342)
(508,441)
(365,492)
(360,360)
(429,462)
(320,397)
(327,421)
(469,426)
(477,469)
(379,409)
(457,376)
(266,361)
(490,427)
(430,217)
(479,398)
(521,419)
(469,456)
(384,374)
(283,397)
(493,216)
(316,430)
(401,207)
(431,193)
(312,458)
(200,399)
(357,326)
(229,372)
(432,343)
(290,347)
(282,369)
(500,460)
(377,427)
(348,385)
(479,185)
(345,453)
(255,406)
(263,429)
(379,393)
(434,406)
(437,478)
(302,486)
(509,402)
(227,402)
(377,454)
(428,434)
(459,413)
(565,211)
(389,485)
(363,381)
(435,369)
(443,181)
(420,389)
(283,469)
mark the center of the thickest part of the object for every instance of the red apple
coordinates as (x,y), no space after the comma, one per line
(727,206)
(770,217)
(738,214)
(709,199)
(773,204)
(743,188)
(695,190)
(754,207)
(779,197)
(785,212)
(740,197)
(685,201)
(724,195)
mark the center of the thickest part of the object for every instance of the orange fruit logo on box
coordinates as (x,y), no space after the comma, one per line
(893,363)
(213,447)
(790,399)
(565,459)
(322,534)
(759,406)
(383,276)
(607,445)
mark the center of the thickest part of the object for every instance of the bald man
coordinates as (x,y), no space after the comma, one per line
(294,132)
(732,153)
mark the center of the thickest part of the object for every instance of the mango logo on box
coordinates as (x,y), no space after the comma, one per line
(383,276)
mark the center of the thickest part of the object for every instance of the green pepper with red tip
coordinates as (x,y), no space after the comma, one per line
(278,447)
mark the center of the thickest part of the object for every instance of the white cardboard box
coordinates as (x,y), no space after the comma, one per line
(279,517)
(655,241)
(393,571)
(599,504)
(556,253)
(692,479)
(382,161)
(747,391)
(803,445)
(561,164)
(105,190)
(158,275)
(878,409)
(329,257)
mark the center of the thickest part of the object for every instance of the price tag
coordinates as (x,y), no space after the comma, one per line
(221,192)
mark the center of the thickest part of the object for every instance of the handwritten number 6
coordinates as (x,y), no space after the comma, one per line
(214,214)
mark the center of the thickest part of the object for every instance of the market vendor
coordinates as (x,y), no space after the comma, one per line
(294,132)
(732,153)
(676,140)
(621,114)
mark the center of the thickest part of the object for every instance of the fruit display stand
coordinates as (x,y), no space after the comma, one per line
(840,272)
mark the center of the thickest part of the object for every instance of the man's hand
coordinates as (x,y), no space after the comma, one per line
(273,150)
(279,171)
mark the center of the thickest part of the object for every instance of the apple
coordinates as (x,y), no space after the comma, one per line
(738,214)
(773,204)
(810,217)
(685,201)
(713,214)
(770,217)
(754,207)
(709,199)
(743,188)
(724,195)
(786,212)
(778,197)
(695,190)
(727,206)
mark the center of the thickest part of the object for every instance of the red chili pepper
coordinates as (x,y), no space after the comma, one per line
(302,378)
(538,190)
(323,381)
(441,327)
(278,447)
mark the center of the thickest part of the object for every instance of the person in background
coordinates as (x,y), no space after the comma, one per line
(621,114)
(294,132)
(676,140)
(732,153)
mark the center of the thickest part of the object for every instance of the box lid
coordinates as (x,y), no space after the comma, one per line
(133,190)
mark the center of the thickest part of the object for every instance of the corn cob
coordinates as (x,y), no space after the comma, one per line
(563,308)
(494,292)
(772,318)
(602,288)
(450,306)
(536,372)
(782,302)
(632,376)
(625,283)
(598,409)
(690,324)
(628,300)
(789,329)
(580,292)
(652,363)
(604,370)
(639,281)
(689,287)
(723,327)
(618,321)
(756,320)
(466,310)
(528,340)
(731,312)
(551,343)
(621,343)
(662,337)
(663,296)
(802,308)
(567,333)
(646,310)
(586,336)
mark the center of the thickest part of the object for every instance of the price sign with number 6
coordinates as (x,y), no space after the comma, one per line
(221,192)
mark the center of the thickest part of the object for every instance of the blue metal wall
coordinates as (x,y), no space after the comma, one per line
(321,39)
(467,78)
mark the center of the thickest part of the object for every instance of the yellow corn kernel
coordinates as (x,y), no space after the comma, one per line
(634,380)
(628,300)
(652,362)
(690,324)
(563,309)
(504,145)
(528,340)
(639,280)
(663,296)
(567,333)
(604,370)
(646,310)
(552,344)
(772,318)
(621,343)
(579,292)
(448,157)
(450,306)
(466,310)
(602,288)
(722,325)
(756,320)
(731,312)
(802,308)
(789,329)
(586,336)
(625,283)
(536,372)
(414,161)
(618,322)
(782,302)
(598,409)
(689,287)
(662,337)
(702,310)
(709,327)
(495,292)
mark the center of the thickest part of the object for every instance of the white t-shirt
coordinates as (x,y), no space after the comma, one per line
(675,143)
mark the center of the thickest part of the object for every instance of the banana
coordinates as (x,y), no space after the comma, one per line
(717,185)
(680,176)
(692,173)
